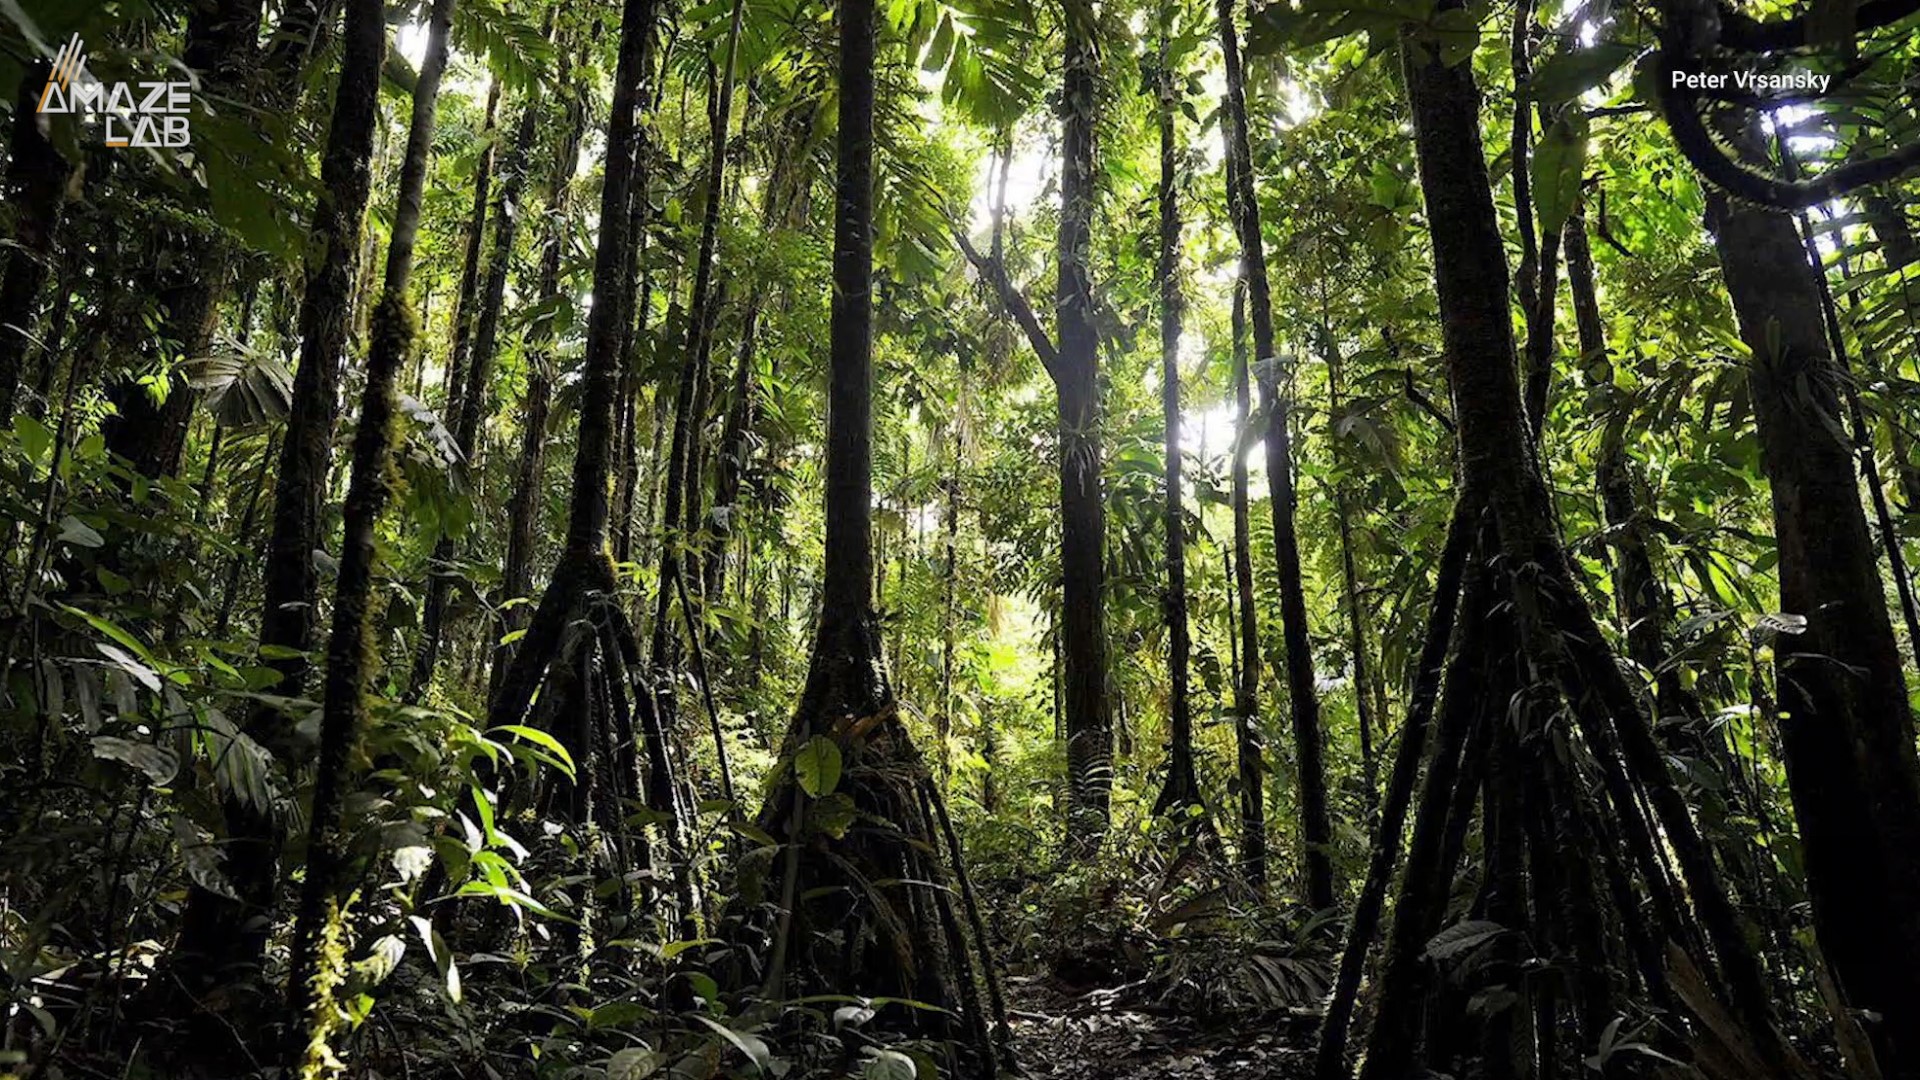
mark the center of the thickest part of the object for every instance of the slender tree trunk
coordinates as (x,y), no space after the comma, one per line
(217,932)
(1246,686)
(656,467)
(461,319)
(627,463)
(949,637)
(1082,515)
(736,435)
(523,510)
(680,520)
(1643,600)
(317,971)
(478,373)
(1182,788)
(1303,702)
(287,613)
(1432,853)
(1538,276)
(1846,729)
(1331,1060)
(1368,719)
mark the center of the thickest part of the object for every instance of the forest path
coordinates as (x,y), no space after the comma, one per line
(1099,1036)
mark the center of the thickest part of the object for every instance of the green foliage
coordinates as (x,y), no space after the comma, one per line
(495,926)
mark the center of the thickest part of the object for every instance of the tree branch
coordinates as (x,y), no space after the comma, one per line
(1697,143)
(1426,404)
(995,272)
(1742,32)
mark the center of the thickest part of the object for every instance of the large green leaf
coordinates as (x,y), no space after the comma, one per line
(1566,75)
(817,766)
(244,386)
(1558,164)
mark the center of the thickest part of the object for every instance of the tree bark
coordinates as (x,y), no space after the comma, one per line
(1331,1057)
(472,409)
(209,938)
(1556,628)
(461,318)
(1538,275)
(1246,687)
(736,434)
(1182,788)
(1366,716)
(523,509)
(1303,702)
(1846,730)
(315,971)
(1082,514)
(921,952)
(680,521)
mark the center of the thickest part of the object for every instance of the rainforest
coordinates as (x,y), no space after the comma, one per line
(959,539)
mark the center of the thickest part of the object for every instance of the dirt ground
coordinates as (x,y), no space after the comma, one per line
(1096,1036)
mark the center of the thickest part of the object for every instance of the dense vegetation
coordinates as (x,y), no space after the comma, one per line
(962,539)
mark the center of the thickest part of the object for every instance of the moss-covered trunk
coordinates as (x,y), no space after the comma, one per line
(218,932)
(315,969)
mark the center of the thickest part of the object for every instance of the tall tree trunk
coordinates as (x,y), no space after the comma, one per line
(1368,720)
(1643,600)
(1857,426)
(217,932)
(36,188)
(1846,730)
(639,216)
(1182,788)
(472,409)
(1330,1062)
(523,510)
(743,411)
(1303,702)
(317,971)
(1538,275)
(1555,628)
(656,468)
(847,700)
(949,630)
(1083,624)
(579,626)
(461,318)
(1246,686)
(683,471)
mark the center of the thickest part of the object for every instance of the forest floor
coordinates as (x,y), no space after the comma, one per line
(1098,1036)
